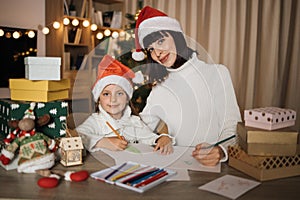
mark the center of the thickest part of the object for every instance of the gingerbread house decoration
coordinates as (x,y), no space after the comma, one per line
(71,151)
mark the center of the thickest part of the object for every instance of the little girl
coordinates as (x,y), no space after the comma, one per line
(112,126)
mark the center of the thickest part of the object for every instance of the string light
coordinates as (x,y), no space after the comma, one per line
(56,25)
(66,21)
(85,23)
(16,35)
(94,27)
(1,32)
(99,36)
(31,34)
(45,30)
(107,32)
(122,33)
(75,22)
(115,35)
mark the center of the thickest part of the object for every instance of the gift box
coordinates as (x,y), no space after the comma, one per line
(14,110)
(281,142)
(269,118)
(263,168)
(42,68)
(39,91)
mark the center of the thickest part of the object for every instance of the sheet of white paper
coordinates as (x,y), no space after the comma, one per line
(180,159)
(181,175)
(230,186)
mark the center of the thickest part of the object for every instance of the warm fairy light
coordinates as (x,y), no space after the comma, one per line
(94,27)
(16,34)
(45,30)
(115,35)
(85,23)
(107,32)
(75,22)
(56,25)
(8,35)
(122,33)
(1,32)
(99,36)
(31,34)
(66,21)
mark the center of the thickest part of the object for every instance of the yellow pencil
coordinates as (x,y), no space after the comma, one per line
(124,173)
(115,131)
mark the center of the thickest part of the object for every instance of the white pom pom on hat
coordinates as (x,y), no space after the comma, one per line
(151,20)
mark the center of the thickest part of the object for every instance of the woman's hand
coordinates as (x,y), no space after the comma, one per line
(208,156)
(164,145)
(112,143)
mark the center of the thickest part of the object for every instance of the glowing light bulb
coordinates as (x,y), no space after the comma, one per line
(66,21)
(45,30)
(31,34)
(56,25)
(115,34)
(94,27)
(16,34)
(99,36)
(107,32)
(85,23)
(122,33)
(75,22)
(1,32)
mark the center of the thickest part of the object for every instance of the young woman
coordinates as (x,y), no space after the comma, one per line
(112,126)
(197,100)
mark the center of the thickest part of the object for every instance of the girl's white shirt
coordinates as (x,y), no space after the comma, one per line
(94,128)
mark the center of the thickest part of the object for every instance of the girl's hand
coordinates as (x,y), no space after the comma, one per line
(164,145)
(112,143)
(208,156)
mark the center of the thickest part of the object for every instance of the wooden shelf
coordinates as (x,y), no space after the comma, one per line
(57,44)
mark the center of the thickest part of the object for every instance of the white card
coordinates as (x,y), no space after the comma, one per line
(230,186)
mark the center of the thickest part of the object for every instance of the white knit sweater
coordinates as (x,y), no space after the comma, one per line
(197,102)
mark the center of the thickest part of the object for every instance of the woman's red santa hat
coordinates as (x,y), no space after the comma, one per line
(111,71)
(151,20)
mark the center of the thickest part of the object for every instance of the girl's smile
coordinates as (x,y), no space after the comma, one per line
(113,99)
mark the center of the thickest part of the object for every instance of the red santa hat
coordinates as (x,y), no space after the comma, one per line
(151,20)
(111,71)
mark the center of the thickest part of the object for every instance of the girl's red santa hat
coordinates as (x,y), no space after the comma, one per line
(111,71)
(151,20)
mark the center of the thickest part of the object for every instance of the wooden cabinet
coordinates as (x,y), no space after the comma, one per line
(61,43)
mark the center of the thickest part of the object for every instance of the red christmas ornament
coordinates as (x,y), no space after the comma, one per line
(79,176)
(48,182)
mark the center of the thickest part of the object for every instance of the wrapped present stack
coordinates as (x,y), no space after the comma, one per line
(42,84)
(268,146)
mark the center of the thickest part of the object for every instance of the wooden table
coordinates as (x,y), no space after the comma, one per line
(14,185)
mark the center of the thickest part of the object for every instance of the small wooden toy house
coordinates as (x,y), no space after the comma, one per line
(71,151)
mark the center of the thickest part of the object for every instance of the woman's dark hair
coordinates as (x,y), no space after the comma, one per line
(183,51)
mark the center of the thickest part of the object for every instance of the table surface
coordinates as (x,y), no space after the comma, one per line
(14,185)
